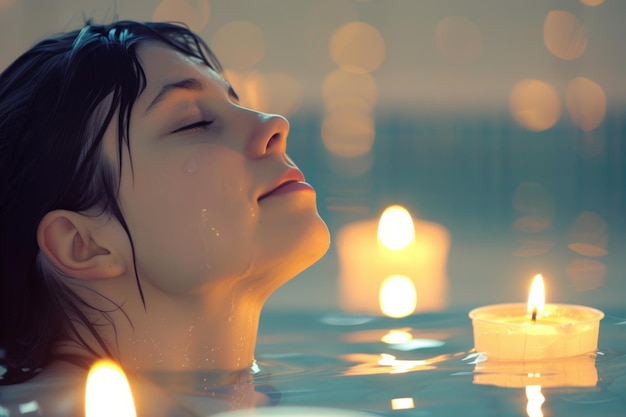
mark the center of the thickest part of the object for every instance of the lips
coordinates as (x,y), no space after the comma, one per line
(290,179)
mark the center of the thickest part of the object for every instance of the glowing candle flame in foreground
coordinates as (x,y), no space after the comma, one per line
(395,228)
(536,297)
(108,392)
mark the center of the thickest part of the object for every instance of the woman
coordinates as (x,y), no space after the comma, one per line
(145,215)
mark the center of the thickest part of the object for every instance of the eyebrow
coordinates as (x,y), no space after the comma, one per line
(189,84)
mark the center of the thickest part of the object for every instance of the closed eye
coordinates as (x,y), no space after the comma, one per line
(201,125)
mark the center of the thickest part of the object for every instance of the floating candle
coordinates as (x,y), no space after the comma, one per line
(535,331)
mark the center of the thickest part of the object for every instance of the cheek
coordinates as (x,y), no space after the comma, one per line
(194,218)
(220,210)
(222,203)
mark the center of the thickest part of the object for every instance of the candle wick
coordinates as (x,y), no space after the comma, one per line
(534,315)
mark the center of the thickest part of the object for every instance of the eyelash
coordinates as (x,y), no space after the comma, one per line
(201,125)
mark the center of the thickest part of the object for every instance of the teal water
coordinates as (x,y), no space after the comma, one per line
(343,361)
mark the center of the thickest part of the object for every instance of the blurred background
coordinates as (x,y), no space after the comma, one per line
(498,126)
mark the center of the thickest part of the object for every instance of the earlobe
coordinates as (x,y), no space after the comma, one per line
(76,246)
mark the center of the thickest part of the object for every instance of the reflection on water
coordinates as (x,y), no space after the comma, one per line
(350,362)
(402,403)
(535,400)
(567,372)
(342,365)
(371,364)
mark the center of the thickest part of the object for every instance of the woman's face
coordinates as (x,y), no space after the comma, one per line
(202,196)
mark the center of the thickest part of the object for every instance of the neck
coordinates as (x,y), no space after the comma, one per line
(212,331)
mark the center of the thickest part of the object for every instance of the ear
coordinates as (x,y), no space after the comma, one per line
(79,245)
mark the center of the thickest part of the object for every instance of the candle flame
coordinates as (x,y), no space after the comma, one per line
(537,296)
(108,392)
(395,228)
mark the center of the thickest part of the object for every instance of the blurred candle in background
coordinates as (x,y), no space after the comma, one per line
(395,266)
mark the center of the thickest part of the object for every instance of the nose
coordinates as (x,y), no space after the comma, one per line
(268,136)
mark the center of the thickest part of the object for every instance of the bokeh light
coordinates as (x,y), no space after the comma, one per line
(4,4)
(284,92)
(351,167)
(533,246)
(348,129)
(586,274)
(535,105)
(592,3)
(535,206)
(274,92)
(357,47)
(239,45)
(586,103)
(194,13)
(458,40)
(589,235)
(564,35)
(531,223)
(319,24)
(348,133)
(343,89)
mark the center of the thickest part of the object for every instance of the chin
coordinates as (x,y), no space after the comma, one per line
(302,244)
(312,246)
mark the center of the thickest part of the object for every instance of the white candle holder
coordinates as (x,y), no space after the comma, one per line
(506,331)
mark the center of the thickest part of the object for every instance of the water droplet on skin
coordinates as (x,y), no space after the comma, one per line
(204,219)
(191,166)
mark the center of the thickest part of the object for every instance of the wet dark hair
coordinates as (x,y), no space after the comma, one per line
(52,121)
